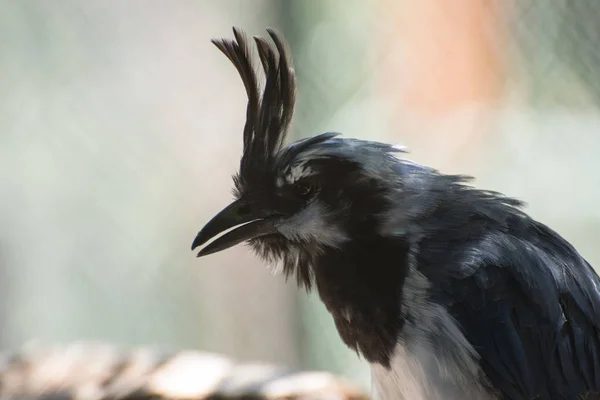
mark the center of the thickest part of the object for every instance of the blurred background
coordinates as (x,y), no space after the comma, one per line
(120,128)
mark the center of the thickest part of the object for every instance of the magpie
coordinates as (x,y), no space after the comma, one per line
(448,291)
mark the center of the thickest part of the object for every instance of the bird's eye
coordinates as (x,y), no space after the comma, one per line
(302,190)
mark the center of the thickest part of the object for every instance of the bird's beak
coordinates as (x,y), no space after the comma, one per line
(250,224)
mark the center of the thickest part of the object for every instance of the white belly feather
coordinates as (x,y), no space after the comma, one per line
(418,375)
(432,360)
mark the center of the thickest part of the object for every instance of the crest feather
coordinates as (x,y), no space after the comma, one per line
(270,106)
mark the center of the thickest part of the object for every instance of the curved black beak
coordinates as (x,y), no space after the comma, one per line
(250,224)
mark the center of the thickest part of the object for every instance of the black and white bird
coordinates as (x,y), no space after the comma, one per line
(448,291)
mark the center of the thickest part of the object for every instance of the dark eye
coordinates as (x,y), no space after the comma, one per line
(302,190)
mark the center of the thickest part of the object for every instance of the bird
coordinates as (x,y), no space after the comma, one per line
(446,290)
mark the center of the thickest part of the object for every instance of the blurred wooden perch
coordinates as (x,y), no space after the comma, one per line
(88,371)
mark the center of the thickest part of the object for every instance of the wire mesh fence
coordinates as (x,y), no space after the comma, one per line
(121,127)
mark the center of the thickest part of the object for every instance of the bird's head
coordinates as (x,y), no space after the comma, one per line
(293,202)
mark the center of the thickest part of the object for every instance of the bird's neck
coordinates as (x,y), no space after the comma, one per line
(361,286)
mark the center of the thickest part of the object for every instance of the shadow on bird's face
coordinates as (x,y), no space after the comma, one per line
(297,202)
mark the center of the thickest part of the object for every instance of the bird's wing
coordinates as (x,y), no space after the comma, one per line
(530,305)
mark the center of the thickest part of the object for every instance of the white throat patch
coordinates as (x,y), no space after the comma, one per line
(311,224)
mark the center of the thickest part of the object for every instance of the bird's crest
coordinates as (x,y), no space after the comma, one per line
(270,105)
